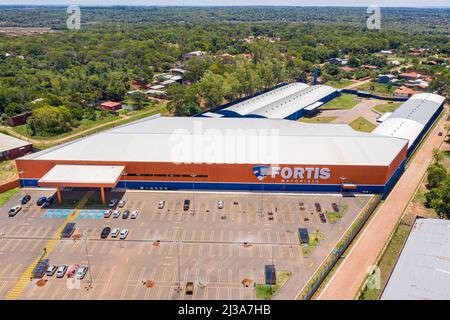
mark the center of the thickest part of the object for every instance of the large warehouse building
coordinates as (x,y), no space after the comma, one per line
(234,154)
(290,102)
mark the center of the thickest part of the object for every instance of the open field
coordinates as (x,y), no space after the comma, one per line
(344,101)
(340,84)
(361,124)
(217,248)
(377,88)
(388,107)
(318,119)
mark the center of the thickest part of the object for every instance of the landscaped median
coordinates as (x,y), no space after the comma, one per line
(266,292)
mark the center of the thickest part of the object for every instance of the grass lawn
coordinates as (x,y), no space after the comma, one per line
(314,239)
(318,119)
(344,101)
(388,107)
(265,292)
(8,171)
(381,89)
(5,196)
(361,124)
(340,84)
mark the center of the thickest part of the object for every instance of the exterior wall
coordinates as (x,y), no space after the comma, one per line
(152,175)
(16,153)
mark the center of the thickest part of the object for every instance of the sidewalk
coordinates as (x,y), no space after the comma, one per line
(349,277)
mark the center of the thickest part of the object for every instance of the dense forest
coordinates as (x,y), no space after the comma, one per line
(61,76)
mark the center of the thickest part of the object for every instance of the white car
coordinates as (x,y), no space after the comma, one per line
(121,204)
(115,233)
(14,210)
(123,234)
(51,269)
(134,214)
(61,270)
(112,203)
(220,204)
(108,213)
(116,213)
(81,272)
(161,204)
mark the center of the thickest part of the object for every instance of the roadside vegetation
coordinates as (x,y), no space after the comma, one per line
(378,88)
(5,196)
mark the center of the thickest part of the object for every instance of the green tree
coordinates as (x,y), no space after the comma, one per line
(436,175)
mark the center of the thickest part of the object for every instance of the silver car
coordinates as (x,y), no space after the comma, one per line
(81,272)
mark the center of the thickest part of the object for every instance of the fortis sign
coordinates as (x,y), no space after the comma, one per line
(292,174)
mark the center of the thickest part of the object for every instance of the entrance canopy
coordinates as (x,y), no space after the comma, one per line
(82,176)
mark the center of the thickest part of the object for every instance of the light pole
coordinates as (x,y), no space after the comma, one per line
(342,191)
(193,193)
(262,199)
(89,264)
(178,289)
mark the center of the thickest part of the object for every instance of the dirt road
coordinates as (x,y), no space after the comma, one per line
(349,277)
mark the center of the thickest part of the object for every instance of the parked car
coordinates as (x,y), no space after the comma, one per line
(40,269)
(161,204)
(62,269)
(51,269)
(116,213)
(25,199)
(189,288)
(112,203)
(134,214)
(41,201)
(81,272)
(14,210)
(121,204)
(125,214)
(68,230)
(108,213)
(48,202)
(220,204)
(322,217)
(72,270)
(105,232)
(186,204)
(115,233)
(123,234)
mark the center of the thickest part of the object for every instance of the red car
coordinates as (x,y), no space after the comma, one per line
(72,270)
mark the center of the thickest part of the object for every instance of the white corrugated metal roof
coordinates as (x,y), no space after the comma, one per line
(283,108)
(82,174)
(247,106)
(230,140)
(422,271)
(9,143)
(408,120)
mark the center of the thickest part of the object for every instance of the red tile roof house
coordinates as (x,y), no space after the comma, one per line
(111,105)
(405,92)
(12,148)
(409,75)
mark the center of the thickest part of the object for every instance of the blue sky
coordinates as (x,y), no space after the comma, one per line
(365,3)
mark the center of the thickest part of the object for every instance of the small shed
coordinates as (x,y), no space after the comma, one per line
(111,105)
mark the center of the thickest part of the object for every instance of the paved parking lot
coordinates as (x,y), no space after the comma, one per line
(215,248)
